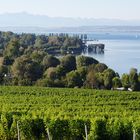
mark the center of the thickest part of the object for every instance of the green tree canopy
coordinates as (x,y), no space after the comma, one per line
(85,61)
(133,79)
(125,81)
(12,49)
(100,67)
(50,61)
(25,70)
(73,79)
(116,82)
(109,74)
(68,62)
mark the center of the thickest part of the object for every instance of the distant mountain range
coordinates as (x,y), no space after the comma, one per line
(24,22)
(25,19)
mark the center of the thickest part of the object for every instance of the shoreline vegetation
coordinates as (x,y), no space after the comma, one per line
(25,61)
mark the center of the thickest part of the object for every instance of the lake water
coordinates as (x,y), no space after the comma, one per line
(120,54)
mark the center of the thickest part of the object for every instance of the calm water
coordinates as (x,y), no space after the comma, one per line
(120,55)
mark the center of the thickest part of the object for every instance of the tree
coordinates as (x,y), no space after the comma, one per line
(133,79)
(40,41)
(68,62)
(51,73)
(100,67)
(61,72)
(3,72)
(67,42)
(27,39)
(12,49)
(26,71)
(91,80)
(125,81)
(116,82)
(7,61)
(85,61)
(50,61)
(94,80)
(83,72)
(73,79)
(109,74)
(54,41)
(38,56)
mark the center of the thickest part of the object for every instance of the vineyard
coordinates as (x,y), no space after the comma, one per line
(35,113)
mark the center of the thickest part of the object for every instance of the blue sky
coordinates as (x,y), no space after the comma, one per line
(120,9)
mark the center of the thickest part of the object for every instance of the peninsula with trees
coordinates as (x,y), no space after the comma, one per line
(27,59)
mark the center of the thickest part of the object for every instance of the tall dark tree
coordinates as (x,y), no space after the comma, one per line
(50,61)
(133,79)
(68,62)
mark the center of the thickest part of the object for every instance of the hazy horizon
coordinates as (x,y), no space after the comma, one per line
(98,9)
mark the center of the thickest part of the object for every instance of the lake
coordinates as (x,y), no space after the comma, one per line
(120,54)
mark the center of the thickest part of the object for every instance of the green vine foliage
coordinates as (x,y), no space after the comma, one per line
(62,114)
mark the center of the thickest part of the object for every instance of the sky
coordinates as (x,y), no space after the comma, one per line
(116,9)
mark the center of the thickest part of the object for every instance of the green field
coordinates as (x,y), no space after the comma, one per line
(65,112)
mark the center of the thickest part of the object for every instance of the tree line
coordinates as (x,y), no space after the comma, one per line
(25,61)
(12,44)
